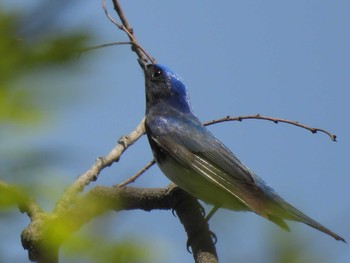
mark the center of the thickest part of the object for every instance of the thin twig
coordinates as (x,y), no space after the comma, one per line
(275,120)
(130,32)
(125,26)
(102,162)
(104,7)
(137,175)
(105,45)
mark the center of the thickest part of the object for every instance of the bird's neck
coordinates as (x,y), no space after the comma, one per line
(166,107)
(171,105)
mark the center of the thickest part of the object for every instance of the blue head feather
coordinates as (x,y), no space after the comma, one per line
(165,86)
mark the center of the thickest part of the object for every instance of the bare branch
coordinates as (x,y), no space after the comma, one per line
(275,120)
(102,162)
(137,175)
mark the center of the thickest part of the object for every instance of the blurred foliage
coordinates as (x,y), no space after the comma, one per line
(10,196)
(284,248)
(22,56)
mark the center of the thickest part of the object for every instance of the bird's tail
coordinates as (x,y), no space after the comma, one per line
(289,212)
(276,209)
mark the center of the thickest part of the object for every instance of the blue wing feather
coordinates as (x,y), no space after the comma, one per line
(213,173)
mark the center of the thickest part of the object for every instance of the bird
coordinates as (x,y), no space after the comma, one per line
(196,161)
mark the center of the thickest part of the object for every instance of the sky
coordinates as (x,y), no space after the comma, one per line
(286,59)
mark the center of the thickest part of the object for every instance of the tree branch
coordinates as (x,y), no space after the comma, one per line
(102,162)
(46,233)
(172,197)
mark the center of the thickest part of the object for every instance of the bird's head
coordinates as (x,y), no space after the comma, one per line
(165,86)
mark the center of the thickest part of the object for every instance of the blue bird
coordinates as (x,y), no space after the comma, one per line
(191,157)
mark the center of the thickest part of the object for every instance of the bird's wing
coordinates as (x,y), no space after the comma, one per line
(193,146)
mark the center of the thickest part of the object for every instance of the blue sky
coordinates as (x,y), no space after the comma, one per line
(287,59)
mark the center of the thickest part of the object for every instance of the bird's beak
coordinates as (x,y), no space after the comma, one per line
(143,64)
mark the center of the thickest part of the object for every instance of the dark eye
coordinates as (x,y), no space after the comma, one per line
(157,74)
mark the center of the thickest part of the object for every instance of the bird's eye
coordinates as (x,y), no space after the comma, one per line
(156,74)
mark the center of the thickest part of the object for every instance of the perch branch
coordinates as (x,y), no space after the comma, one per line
(172,197)
(101,199)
